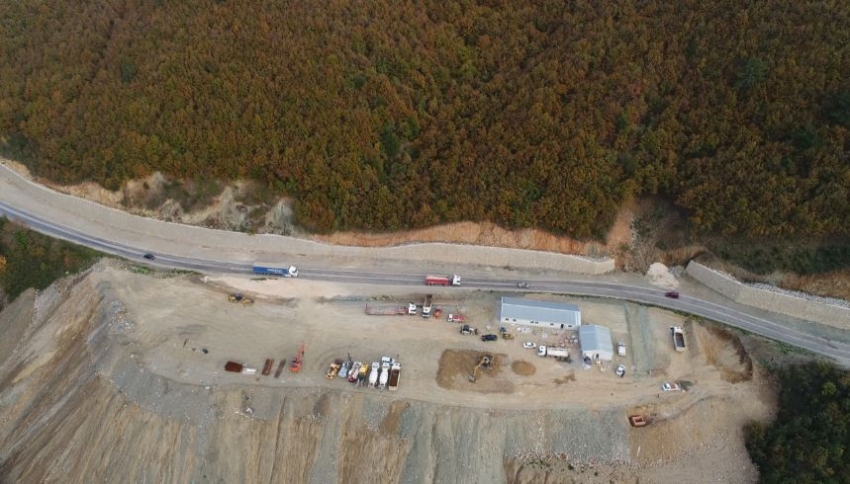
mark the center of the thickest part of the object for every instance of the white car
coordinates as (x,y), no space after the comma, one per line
(541,351)
(529,345)
(621,371)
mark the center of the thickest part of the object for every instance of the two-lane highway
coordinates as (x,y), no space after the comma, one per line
(698,307)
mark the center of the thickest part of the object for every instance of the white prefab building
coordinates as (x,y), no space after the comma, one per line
(544,314)
(595,342)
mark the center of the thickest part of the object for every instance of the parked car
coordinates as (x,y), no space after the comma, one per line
(621,371)
(522,285)
(489,337)
(149,256)
(670,387)
(529,345)
(672,295)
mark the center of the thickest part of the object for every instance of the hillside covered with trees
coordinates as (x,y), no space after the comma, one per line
(809,441)
(387,114)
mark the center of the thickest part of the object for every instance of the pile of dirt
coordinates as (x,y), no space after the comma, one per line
(456,366)
(523,368)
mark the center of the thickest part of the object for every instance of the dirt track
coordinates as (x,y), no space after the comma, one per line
(102,387)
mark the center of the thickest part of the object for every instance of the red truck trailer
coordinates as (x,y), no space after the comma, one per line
(453,280)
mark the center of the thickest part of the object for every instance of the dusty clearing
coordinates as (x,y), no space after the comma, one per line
(133,366)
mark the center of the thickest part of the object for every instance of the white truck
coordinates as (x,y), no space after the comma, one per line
(426,306)
(395,376)
(553,351)
(373,376)
(678,334)
(411,309)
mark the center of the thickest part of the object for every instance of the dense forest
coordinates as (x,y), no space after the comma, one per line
(29,259)
(809,441)
(386,114)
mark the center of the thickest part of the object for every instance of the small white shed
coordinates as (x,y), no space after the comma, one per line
(595,342)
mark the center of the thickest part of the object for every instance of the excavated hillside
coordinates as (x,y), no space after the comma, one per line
(80,402)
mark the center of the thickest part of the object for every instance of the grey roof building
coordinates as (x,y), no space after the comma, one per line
(547,314)
(596,342)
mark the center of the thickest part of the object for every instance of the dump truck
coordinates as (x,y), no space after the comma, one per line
(621,349)
(395,376)
(373,375)
(426,306)
(295,365)
(233,366)
(412,309)
(678,335)
(452,280)
(561,354)
(384,376)
(275,269)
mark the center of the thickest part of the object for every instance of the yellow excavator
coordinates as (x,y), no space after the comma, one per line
(483,362)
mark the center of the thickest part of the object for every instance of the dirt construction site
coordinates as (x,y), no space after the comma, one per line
(128,367)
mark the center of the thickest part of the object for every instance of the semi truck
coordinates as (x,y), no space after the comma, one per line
(453,280)
(275,269)
(678,337)
(426,306)
(561,354)
(395,376)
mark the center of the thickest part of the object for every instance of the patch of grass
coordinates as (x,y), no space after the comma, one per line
(36,260)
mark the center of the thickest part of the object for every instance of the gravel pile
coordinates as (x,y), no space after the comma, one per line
(375,410)
(810,297)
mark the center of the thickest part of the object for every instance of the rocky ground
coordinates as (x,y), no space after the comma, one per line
(117,376)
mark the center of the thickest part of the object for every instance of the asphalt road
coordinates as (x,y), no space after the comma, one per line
(706,309)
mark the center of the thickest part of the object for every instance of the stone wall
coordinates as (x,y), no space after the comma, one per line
(795,306)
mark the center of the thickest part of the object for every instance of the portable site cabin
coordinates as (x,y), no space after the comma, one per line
(595,342)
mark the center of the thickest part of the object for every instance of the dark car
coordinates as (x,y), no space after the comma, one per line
(489,337)
(672,295)
(149,256)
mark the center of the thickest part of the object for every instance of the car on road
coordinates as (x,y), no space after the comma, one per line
(522,285)
(672,295)
(489,337)
(529,345)
(670,387)
(621,371)
(149,256)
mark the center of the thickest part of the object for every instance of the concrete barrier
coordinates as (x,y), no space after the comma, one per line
(795,306)
(203,243)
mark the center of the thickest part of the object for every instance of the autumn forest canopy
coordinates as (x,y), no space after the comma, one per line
(387,114)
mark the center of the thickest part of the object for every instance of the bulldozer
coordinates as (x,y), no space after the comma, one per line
(507,336)
(236,298)
(484,362)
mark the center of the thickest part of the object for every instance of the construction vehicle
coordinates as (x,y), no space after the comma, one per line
(364,373)
(638,421)
(373,375)
(561,354)
(395,376)
(295,366)
(411,309)
(678,338)
(453,280)
(438,312)
(621,349)
(334,368)
(386,366)
(236,298)
(354,372)
(506,335)
(456,318)
(275,269)
(426,306)
(483,362)
(234,367)
(468,330)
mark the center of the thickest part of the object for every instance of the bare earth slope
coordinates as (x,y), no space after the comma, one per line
(97,389)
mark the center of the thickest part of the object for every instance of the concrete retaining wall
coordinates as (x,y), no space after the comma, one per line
(198,242)
(798,307)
